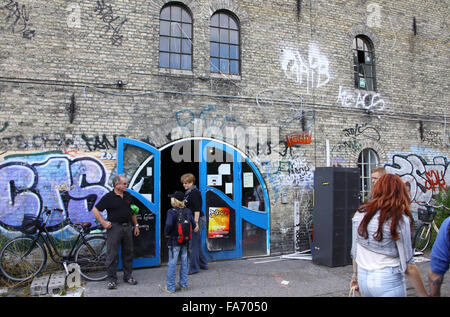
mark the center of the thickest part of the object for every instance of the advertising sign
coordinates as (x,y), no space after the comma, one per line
(219,222)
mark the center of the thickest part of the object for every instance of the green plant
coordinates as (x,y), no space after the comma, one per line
(442,198)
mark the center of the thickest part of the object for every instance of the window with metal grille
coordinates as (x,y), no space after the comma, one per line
(224,44)
(363,63)
(367,161)
(175,37)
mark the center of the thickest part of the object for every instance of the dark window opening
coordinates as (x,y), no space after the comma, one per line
(363,64)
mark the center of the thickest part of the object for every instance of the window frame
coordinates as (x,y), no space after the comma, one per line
(365,170)
(231,46)
(177,53)
(363,48)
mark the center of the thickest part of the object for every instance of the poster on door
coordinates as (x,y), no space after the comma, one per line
(219,222)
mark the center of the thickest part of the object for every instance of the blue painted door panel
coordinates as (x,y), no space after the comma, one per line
(150,202)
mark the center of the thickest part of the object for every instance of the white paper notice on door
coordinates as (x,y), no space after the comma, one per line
(214,180)
(224,169)
(228,188)
(148,197)
(248,180)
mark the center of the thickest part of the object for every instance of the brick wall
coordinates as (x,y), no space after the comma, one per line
(51,51)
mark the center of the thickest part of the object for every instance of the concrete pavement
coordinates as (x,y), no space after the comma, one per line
(255,277)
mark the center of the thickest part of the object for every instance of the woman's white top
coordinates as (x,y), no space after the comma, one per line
(371,261)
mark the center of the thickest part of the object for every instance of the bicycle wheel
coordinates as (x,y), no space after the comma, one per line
(91,257)
(21,258)
(422,237)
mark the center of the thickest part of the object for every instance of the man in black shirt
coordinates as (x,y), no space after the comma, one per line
(119,231)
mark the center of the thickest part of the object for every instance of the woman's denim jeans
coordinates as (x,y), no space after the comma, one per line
(174,252)
(386,282)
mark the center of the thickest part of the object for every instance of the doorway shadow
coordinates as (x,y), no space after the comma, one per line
(171,171)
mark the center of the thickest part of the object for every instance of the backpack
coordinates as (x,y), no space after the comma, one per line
(184,226)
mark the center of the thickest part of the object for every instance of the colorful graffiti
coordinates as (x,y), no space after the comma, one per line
(425,179)
(30,182)
(293,171)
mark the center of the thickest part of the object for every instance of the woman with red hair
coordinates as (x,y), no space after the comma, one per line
(381,246)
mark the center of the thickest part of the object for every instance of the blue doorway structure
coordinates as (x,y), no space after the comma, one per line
(232,188)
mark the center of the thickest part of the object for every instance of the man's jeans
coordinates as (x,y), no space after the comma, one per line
(174,252)
(117,236)
(197,257)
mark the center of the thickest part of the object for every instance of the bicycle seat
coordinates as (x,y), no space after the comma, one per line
(84,224)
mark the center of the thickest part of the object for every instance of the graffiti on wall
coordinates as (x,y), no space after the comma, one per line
(425,178)
(30,182)
(311,71)
(297,113)
(366,100)
(374,16)
(292,171)
(113,23)
(207,123)
(15,18)
(432,138)
(352,139)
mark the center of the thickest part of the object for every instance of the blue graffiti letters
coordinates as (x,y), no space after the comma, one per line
(28,183)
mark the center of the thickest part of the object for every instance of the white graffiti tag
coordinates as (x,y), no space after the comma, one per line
(366,101)
(312,71)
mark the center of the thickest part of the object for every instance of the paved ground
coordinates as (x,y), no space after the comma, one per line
(261,277)
(268,277)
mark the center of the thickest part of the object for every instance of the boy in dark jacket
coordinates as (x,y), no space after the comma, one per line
(176,248)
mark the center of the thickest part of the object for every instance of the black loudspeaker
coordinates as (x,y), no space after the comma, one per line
(336,198)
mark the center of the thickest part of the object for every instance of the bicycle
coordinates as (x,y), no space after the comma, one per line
(24,257)
(426,215)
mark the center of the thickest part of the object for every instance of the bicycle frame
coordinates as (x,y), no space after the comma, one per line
(435,227)
(430,224)
(53,250)
(45,236)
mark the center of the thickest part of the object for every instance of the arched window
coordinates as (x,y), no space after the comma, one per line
(363,63)
(367,161)
(175,37)
(224,40)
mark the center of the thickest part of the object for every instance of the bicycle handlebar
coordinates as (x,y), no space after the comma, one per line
(433,206)
(47,212)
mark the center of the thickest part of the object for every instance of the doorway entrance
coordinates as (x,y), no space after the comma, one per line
(235,198)
(171,171)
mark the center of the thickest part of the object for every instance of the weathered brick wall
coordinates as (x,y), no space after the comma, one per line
(50,51)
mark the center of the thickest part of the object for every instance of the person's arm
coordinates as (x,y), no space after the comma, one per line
(168,226)
(106,224)
(413,274)
(406,255)
(196,216)
(198,206)
(195,224)
(354,281)
(135,224)
(435,282)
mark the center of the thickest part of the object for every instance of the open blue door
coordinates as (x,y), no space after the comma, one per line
(235,203)
(140,163)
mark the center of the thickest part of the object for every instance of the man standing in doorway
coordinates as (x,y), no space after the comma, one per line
(119,230)
(193,201)
(376,173)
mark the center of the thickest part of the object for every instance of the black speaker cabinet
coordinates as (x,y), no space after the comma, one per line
(336,198)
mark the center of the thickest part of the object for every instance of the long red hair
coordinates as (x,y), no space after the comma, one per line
(391,198)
